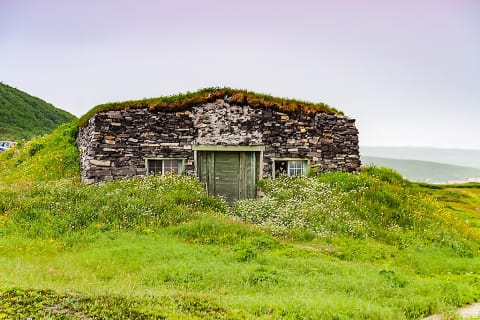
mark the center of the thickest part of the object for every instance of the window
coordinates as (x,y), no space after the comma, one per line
(164,166)
(289,167)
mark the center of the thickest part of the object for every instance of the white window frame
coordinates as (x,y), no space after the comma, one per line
(304,169)
(181,165)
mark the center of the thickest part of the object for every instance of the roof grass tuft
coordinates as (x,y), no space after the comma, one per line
(184,101)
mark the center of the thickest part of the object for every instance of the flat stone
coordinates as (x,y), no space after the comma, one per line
(100,163)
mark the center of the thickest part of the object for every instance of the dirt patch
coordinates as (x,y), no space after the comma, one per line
(466,312)
(59,310)
(327,249)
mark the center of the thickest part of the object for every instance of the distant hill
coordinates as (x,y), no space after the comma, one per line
(426,171)
(458,157)
(23,116)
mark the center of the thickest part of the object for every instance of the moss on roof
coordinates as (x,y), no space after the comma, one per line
(182,102)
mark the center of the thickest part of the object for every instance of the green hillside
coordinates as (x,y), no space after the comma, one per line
(333,246)
(458,157)
(23,116)
(426,171)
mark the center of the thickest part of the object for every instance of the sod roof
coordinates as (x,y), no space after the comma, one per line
(184,101)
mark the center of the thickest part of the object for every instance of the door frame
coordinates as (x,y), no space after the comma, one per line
(219,148)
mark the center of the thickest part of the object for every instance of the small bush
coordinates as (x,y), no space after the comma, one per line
(210,230)
(34,148)
(263,276)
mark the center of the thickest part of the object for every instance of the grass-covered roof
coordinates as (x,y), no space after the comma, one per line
(183,101)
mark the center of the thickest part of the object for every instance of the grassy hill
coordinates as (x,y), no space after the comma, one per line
(426,171)
(333,246)
(23,116)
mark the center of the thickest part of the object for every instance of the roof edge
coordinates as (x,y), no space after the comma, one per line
(183,101)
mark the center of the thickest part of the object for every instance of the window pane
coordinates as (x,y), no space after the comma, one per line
(296,167)
(280,168)
(155,166)
(171,166)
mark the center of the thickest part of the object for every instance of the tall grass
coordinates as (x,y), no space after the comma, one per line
(59,208)
(44,158)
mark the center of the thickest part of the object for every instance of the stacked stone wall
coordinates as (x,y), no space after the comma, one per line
(115,144)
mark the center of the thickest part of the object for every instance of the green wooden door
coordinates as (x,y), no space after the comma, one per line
(230,174)
(227,175)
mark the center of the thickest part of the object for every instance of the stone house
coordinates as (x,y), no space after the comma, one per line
(228,138)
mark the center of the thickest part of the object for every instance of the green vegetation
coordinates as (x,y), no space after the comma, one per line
(24,117)
(51,157)
(333,246)
(181,102)
(426,171)
(377,204)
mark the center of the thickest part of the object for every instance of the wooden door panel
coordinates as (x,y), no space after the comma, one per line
(227,175)
(231,174)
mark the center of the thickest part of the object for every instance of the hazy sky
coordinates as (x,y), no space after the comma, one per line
(407,70)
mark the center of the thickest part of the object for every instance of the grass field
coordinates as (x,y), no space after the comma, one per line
(334,246)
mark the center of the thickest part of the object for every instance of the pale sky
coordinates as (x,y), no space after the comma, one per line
(407,70)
